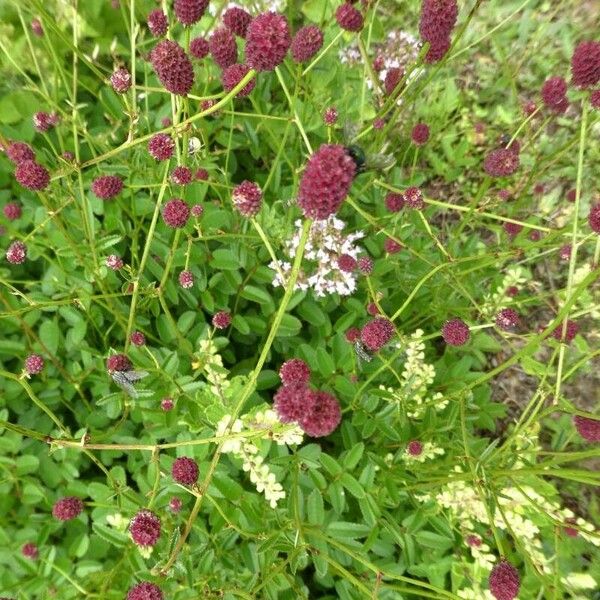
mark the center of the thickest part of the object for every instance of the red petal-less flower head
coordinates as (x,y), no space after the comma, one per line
(306,43)
(118,362)
(175,504)
(145,528)
(414,448)
(199,48)
(392,79)
(107,187)
(323,417)
(67,508)
(565,252)
(394,202)
(326,181)
(507,318)
(378,123)
(16,253)
(137,338)
(161,146)
(34,364)
(437,21)
(189,12)
(268,39)
(504,581)
(585,64)
(30,551)
(554,94)
(570,332)
(512,229)
(121,80)
(291,402)
(588,429)
(365,265)
(221,320)
(173,67)
(157,23)
(392,246)
(237,20)
(372,309)
(12,211)
(201,175)
(294,372)
(32,175)
(456,332)
(223,48)
(529,108)
(377,333)
(232,76)
(346,263)
(352,335)
(413,198)
(330,116)
(501,162)
(17,152)
(349,18)
(114,262)
(595,99)
(186,280)
(420,134)
(594,218)
(247,198)
(145,591)
(167,404)
(181,175)
(36,27)
(176,213)
(185,470)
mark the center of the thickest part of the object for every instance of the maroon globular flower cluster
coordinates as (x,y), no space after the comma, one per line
(32,175)
(121,80)
(595,99)
(377,333)
(157,23)
(34,364)
(392,79)
(554,94)
(501,162)
(420,134)
(324,416)
(565,252)
(199,48)
(114,262)
(438,18)
(414,448)
(585,64)
(43,121)
(67,508)
(185,470)
(107,187)
(175,504)
(145,591)
(16,253)
(504,581)
(17,152)
(237,20)
(30,551)
(394,202)
(189,12)
(570,332)
(349,18)
(330,116)
(507,318)
(372,309)
(456,332)
(352,335)
(200,175)
(118,362)
(161,146)
(346,263)
(167,404)
(137,338)
(176,213)
(326,181)
(294,372)
(221,320)
(512,229)
(197,210)
(232,76)
(413,198)
(12,211)
(392,246)
(594,218)
(306,43)
(181,175)
(291,402)
(365,265)
(145,528)
(268,39)
(186,280)
(588,429)
(247,198)
(173,67)
(222,47)
(36,27)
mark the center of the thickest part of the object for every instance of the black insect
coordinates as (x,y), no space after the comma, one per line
(361,352)
(358,156)
(126,379)
(364,161)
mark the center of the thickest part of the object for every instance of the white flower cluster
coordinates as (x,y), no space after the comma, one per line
(429,451)
(267,426)
(417,376)
(499,299)
(211,363)
(326,243)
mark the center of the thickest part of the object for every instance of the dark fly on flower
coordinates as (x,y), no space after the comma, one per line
(361,352)
(365,161)
(126,379)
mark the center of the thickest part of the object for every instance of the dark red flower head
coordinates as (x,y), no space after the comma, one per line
(121,80)
(173,67)
(529,108)
(512,229)
(167,404)
(176,213)
(570,332)
(17,152)
(223,48)
(456,332)
(157,23)
(352,335)
(413,198)
(372,309)
(504,581)
(114,262)
(137,338)
(330,116)
(145,528)
(323,417)
(554,94)
(145,591)
(392,79)
(247,198)
(595,99)
(12,211)
(221,320)
(594,218)
(294,372)
(237,20)
(585,64)
(107,187)
(507,318)
(36,27)
(67,508)
(349,18)
(186,280)
(189,12)
(185,470)
(181,175)
(414,448)
(501,162)
(30,551)
(306,43)
(199,48)
(438,18)
(268,39)
(420,134)
(346,263)
(391,246)
(175,504)
(118,362)
(365,265)
(32,175)
(394,202)
(34,364)
(291,402)
(326,181)
(588,429)
(232,75)
(201,175)
(161,146)
(377,333)
(16,253)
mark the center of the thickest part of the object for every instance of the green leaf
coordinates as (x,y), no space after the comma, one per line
(256,294)
(314,508)
(352,485)
(353,456)
(27,464)
(290,326)
(345,529)
(225,260)
(49,333)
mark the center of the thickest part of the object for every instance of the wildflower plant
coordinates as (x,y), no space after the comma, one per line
(299,299)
